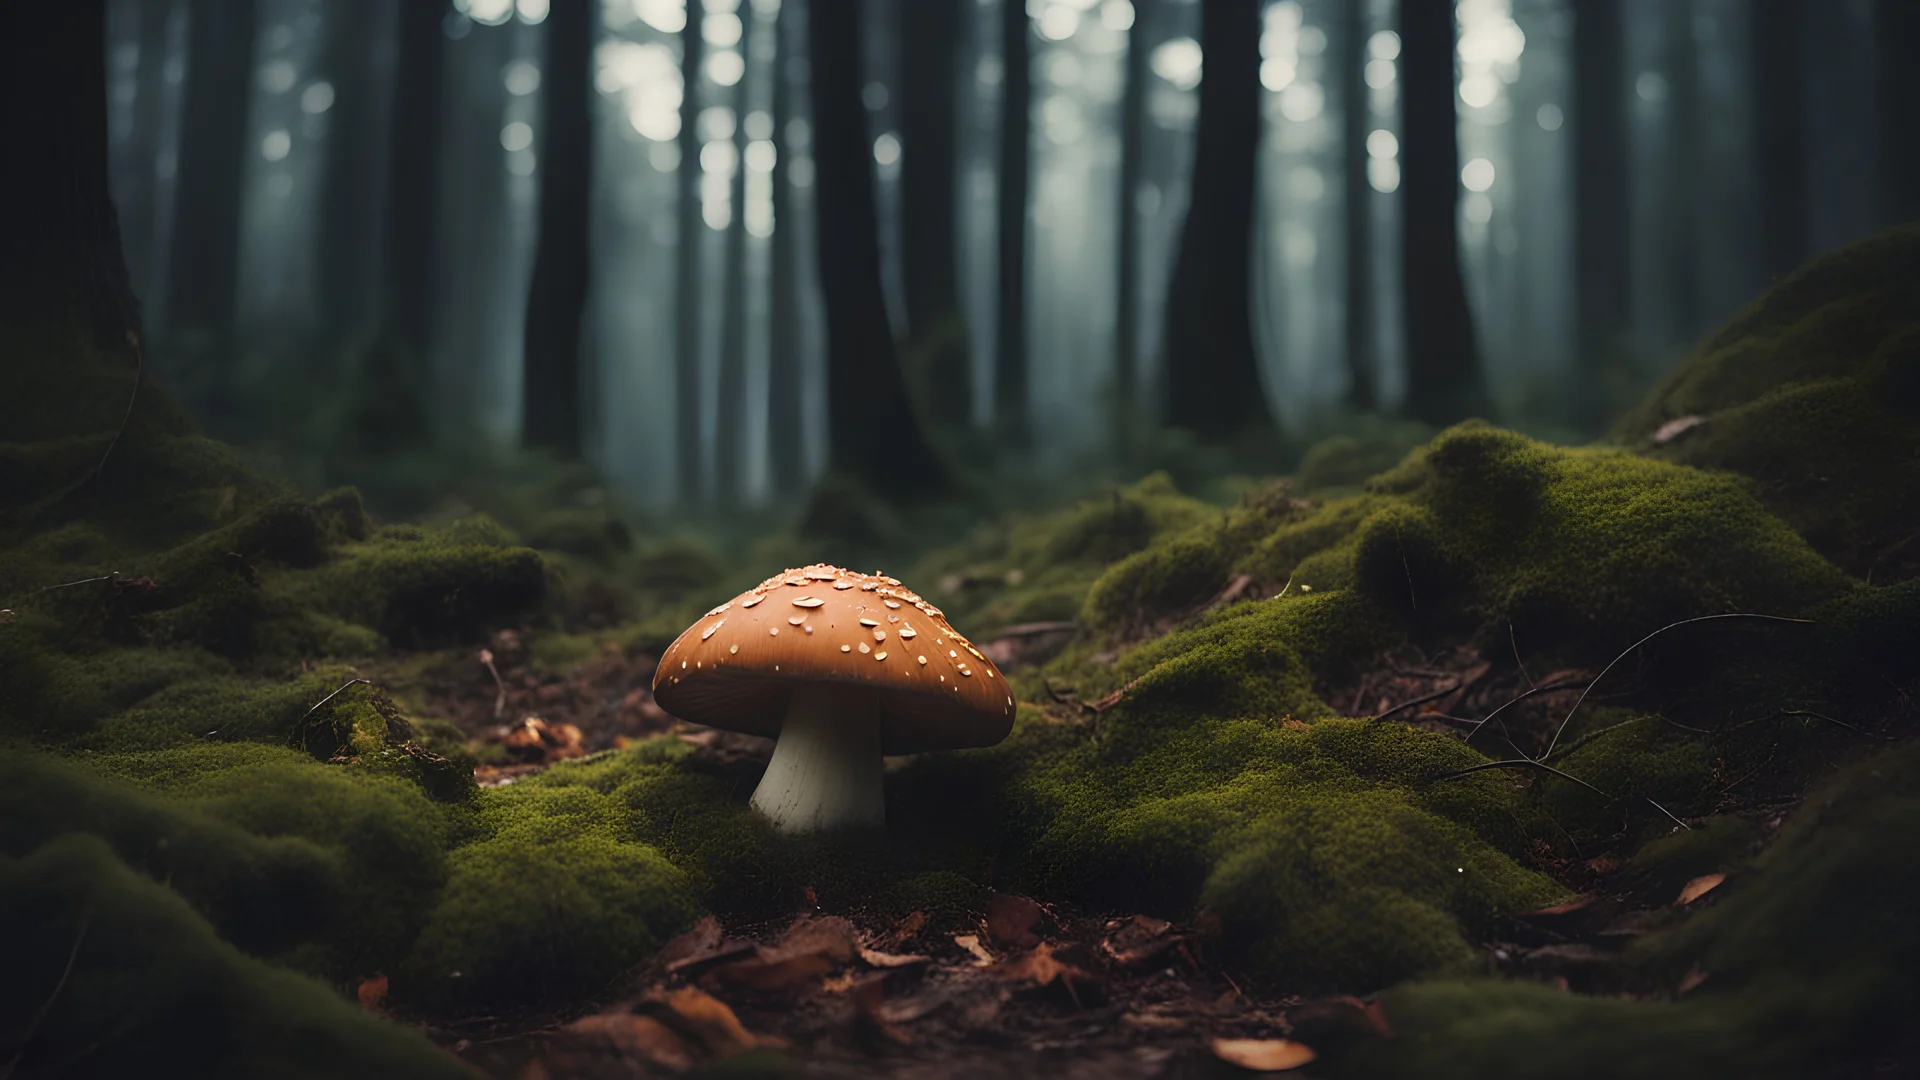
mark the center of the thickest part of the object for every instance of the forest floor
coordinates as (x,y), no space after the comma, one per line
(1026,988)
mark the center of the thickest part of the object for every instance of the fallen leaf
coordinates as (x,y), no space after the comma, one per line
(811,946)
(1675,428)
(1700,887)
(905,930)
(696,1014)
(1136,940)
(1692,980)
(1263,1055)
(372,991)
(1037,966)
(1568,908)
(631,1036)
(1011,919)
(876,958)
(971,943)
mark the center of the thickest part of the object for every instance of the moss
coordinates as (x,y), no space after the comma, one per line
(150,981)
(289,859)
(1812,958)
(1635,760)
(1813,392)
(552,903)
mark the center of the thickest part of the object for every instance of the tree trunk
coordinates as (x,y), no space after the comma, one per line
(1213,383)
(557,295)
(730,434)
(137,187)
(1600,255)
(1016,122)
(936,336)
(687,266)
(1682,205)
(1444,383)
(203,275)
(1126,309)
(1779,84)
(389,410)
(785,392)
(1356,124)
(350,196)
(61,264)
(873,435)
(1896,40)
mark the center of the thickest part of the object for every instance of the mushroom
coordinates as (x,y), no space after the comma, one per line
(841,668)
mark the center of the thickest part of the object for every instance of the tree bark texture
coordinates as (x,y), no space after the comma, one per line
(936,337)
(61,264)
(1779,86)
(1444,381)
(688,238)
(1213,368)
(204,271)
(557,296)
(785,392)
(1600,214)
(730,435)
(873,434)
(1016,126)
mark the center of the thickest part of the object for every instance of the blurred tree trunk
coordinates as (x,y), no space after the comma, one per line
(137,187)
(1444,382)
(350,218)
(1213,370)
(389,404)
(1896,39)
(687,266)
(203,275)
(873,434)
(1356,123)
(557,295)
(785,393)
(1600,255)
(730,434)
(61,264)
(936,338)
(1126,309)
(1016,124)
(1682,205)
(1779,87)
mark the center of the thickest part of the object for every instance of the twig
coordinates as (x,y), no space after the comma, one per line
(1515,701)
(1669,814)
(108,576)
(1517,662)
(1557,732)
(330,697)
(1423,699)
(86,922)
(1529,763)
(1839,723)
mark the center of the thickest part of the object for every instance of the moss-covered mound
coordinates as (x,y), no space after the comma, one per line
(1813,392)
(1810,956)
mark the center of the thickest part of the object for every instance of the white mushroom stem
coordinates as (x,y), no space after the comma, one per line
(826,768)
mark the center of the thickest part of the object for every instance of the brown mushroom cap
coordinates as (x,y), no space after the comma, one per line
(737,666)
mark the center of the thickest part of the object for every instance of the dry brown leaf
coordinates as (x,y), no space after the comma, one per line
(707,1020)
(1139,939)
(1675,428)
(1011,919)
(876,958)
(1263,1055)
(372,991)
(1038,967)
(641,1037)
(811,946)
(904,930)
(971,943)
(1700,887)
(1692,980)
(1568,908)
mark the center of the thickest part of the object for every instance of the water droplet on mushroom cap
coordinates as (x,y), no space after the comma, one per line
(808,602)
(752,600)
(708,632)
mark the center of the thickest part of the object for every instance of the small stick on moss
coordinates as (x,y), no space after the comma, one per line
(1667,812)
(1548,688)
(500,687)
(110,575)
(1424,698)
(1809,713)
(1557,732)
(1517,662)
(1529,763)
(330,697)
